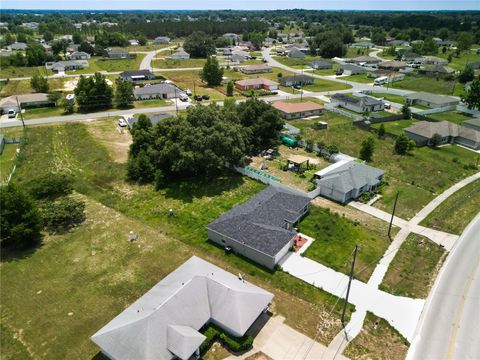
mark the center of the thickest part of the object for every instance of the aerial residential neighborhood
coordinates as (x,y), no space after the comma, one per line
(239,181)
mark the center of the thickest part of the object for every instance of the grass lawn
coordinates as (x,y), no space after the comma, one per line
(454,214)
(459,63)
(321,85)
(153,103)
(377,340)
(361,78)
(356,52)
(333,119)
(36,113)
(102,272)
(452,116)
(7,158)
(335,240)
(326,72)
(96,64)
(420,254)
(390,97)
(178,64)
(298,63)
(419,177)
(429,84)
(395,127)
(16,87)
(23,71)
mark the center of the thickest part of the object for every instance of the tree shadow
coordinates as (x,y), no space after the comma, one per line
(9,254)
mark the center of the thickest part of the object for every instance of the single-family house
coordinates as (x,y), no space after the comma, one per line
(359,104)
(263,228)
(295,53)
(5,52)
(398,43)
(347,180)
(320,65)
(66,65)
(161,40)
(298,110)
(164,323)
(423,132)
(157,91)
(437,71)
(392,65)
(430,100)
(296,79)
(434,60)
(256,69)
(31,25)
(136,75)
(473,124)
(72,48)
(391,75)
(232,37)
(25,101)
(239,55)
(255,84)
(154,119)
(18,46)
(180,54)
(119,54)
(133,42)
(363,45)
(409,56)
(79,55)
(366,60)
(350,69)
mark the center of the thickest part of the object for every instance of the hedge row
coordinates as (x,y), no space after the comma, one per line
(235,344)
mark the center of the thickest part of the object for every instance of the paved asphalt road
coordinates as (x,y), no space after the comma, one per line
(449,327)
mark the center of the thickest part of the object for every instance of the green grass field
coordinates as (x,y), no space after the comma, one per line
(361,78)
(153,103)
(7,158)
(455,213)
(459,63)
(452,116)
(96,64)
(335,240)
(390,97)
(421,255)
(42,112)
(22,71)
(80,280)
(395,127)
(429,84)
(178,64)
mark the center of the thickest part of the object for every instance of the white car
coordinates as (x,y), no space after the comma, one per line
(122,123)
(387,106)
(188,92)
(12,113)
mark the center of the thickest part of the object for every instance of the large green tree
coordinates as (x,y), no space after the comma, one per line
(212,73)
(39,83)
(124,94)
(472,96)
(199,45)
(93,93)
(465,41)
(367,148)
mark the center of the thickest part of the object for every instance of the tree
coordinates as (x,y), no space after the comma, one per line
(381,131)
(429,47)
(86,47)
(328,44)
(403,145)
(378,36)
(20,219)
(142,40)
(367,148)
(230,88)
(63,214)
(212,74)
(472,96)
(436,140)
(50,186)
(199,45)
(77,38)
(47,36)
(406,111)
(60,46)
(36,55)
(39,83)
(93,93)
(68,106)
(124,94)
(54,96)
(466,75)
(465,41)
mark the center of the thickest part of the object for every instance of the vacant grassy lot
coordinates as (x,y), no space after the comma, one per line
(390,97)
(14,87)
(97,63)
(452,116)
(22,71)
(419,177)
(299,63)
(36,113)
(7,159)
(325,85)
(377,340)
(429,84)
(458,63)
(414,268)
(178,64)
(152,103)
(335,239)
(94,272)
(395,127)
(454,214)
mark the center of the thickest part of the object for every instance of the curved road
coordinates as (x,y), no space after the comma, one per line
(449,327)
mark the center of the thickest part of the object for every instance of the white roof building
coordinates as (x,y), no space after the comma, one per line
(164,322)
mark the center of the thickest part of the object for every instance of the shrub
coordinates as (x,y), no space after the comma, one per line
(63,214)
(50,186)
(235,344)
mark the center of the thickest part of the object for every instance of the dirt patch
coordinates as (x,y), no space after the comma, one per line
(117,140)
(259,356)
(70,85)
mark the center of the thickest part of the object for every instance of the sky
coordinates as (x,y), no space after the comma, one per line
(243,4)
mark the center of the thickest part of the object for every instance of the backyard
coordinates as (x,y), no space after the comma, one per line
(429,84)
(453,116)
(390,97)
(97,63)
(395,127)
(7,159)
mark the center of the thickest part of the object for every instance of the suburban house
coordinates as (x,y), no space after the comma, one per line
(157,91)
(367,60)
(256,69)
(434,60)
(363,45)
(392,65)
(165,322)
(430,100)
(180,54)
(18,46)
(154,119)
(296,53)
(232,37)
(256,83)
(79,55)
(473,123)
(119,54)
(359,104)
(298,110)
(161,40)
(295,79)
(136,75)
(25,101)
(320,65)
(263,228)
(72,47)
(347,180)
(409,56)
(398,43)
(437,71)
(422,133)
(350,69)
(239,55)
(66,65)
(392,75)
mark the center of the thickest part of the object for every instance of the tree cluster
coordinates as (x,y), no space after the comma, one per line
(93,93)
(212,73)
(199,45)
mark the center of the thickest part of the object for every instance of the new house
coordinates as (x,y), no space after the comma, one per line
(18,46)
(367,60)
(165,322)
(67,65)
(256,69)
(79,55)
(119,54)
(263,228)
(25,101)
(359,104)
(296,53)
(299,79)
(157,91)
(433,60)
(180,54)
(437,71)
(256,83)
(473,123)
(347,180)
(350,69)
(423,132)
(298,110)
(320,65)
(430,100)
(161,40)
(136,75)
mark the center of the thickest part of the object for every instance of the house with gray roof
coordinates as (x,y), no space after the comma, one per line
(430,100)
(161,40)
(363,45)
(25,101)
(359,104)
(157,91)
(66,65)
(368,60)
(136,75)
(296,53)
(154,119)
(423,132)
(18,46)
(180,54)
(473,123)
(119,54)
(165,322)
(437,71)
(296,79)
(263,228)
(347,180)
(351,69)
(320,65)
(79,55)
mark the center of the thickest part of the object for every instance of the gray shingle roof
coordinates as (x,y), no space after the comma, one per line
(356,100)
(444,128)
(431,98)
(157,89)
(154,119)
(260,222)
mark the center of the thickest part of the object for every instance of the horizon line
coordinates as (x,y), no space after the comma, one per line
(266,9)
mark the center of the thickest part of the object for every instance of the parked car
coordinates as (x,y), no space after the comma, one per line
(198,97)
(387,105)
(11,113)
(297,86)
(264,60)
(122,123)
(206,97)
(183,97)
(188,92)
(339,72)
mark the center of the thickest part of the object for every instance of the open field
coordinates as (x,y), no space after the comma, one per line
(141,104)
(324,85)
(459,63)
(355,52)
(455,213)
(452,116)
(36,113)
(429,84)
(7,158)
(414,268)
(178,64)
(22,71)
(96,64)
(390,97)
(395,127)
(335,239)
(377,340)
(102,272)
(419,177)
(298,63)
(361,78)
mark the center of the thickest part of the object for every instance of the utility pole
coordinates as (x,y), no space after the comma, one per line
(176,101)
(348,290)
(393,214)
(20,111)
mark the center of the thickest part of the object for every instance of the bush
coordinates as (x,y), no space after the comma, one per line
(63,214)
(50,186)
(235,344)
